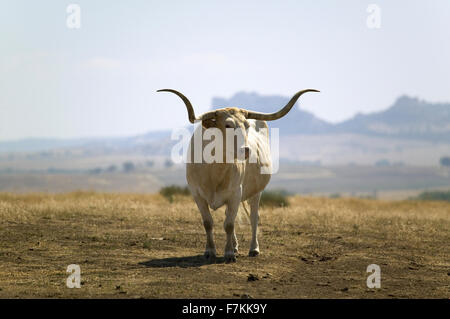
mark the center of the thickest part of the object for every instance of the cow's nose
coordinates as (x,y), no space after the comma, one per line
(246,151)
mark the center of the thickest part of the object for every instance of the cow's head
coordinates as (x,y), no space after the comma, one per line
(236,119)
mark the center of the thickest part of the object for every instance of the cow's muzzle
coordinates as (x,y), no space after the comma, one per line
(245,151)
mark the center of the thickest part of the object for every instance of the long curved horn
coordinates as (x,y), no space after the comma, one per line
(280,113)
(186,101)
(190,109)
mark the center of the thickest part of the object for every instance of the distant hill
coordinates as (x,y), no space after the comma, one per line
(408,118)
(40,144)
(151,142)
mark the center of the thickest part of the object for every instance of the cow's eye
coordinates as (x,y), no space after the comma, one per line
(229,124)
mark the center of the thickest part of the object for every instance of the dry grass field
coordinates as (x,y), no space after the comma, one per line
(141,246)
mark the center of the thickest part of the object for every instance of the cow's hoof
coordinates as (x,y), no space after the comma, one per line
(253,253)
(210,256)
(230,258)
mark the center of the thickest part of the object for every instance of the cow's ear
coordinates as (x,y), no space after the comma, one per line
(209,123)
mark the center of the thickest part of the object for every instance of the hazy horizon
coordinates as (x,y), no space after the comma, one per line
(100,80)
(187,122)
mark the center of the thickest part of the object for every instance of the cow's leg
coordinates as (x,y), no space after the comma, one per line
(254,217)
(235,243)
(210,250)
(228,225)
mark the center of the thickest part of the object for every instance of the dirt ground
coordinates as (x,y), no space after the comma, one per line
(141,246)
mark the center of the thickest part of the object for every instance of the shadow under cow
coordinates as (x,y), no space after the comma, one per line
(183,262)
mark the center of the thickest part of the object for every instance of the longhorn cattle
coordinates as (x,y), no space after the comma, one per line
(241,176)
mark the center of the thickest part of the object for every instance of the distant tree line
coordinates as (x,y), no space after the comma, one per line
(445,161)
(128,167)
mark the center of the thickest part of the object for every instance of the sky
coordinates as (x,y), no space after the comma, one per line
(101,79)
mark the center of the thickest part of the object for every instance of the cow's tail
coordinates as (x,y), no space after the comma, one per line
(240,216)
(244,205)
